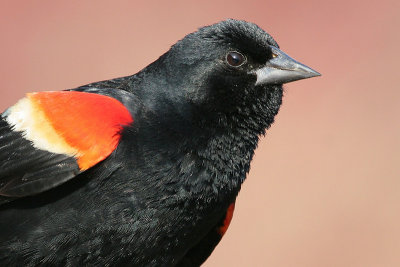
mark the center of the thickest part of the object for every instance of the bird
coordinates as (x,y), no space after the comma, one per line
(142,170)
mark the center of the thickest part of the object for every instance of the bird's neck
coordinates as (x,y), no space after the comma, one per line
(209,159)
(217,144)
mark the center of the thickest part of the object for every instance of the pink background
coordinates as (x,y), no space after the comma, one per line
(324,188)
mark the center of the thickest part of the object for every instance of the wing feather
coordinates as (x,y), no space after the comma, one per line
(32,160)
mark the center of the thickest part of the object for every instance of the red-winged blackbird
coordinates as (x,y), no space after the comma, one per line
(142,170)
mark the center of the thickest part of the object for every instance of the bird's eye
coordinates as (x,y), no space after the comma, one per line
(235,59)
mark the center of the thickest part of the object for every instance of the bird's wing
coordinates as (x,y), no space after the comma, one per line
(48,138)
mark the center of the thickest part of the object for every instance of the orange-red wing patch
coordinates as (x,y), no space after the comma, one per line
(89,123)
(227,220)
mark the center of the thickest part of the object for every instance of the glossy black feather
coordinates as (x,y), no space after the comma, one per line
(26,170)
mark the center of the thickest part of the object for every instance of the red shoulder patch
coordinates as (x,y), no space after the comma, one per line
(227,220)
(89,123)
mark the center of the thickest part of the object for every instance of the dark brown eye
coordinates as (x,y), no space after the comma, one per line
(235,59)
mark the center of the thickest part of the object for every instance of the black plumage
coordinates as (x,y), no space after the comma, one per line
(161,196)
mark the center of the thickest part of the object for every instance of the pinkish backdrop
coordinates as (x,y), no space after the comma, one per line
(324,188)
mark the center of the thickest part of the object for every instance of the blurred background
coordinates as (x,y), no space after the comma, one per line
(324,188)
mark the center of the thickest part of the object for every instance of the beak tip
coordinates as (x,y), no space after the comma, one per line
(307,71)
(315,74)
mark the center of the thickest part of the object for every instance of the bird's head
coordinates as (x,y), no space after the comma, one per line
(231,69)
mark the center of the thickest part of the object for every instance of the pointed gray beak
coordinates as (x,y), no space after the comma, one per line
(283,69)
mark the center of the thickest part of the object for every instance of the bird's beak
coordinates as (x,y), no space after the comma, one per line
(283,69)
